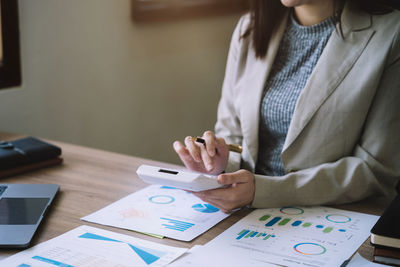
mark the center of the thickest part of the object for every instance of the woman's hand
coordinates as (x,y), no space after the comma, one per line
(239,193)
(211,157)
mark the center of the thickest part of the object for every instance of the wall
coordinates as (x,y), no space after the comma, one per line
(93,77)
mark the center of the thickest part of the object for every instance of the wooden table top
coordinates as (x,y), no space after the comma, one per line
(91,179)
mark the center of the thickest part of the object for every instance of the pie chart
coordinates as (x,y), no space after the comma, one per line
(205,208)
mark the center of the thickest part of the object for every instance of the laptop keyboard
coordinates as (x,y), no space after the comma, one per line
(2,189)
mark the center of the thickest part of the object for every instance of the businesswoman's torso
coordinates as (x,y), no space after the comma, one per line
(344,111)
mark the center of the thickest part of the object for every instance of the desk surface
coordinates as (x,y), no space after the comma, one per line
(90,179)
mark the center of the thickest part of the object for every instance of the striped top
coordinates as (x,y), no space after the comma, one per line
(298,53)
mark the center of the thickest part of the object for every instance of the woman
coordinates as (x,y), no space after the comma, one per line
(311,92)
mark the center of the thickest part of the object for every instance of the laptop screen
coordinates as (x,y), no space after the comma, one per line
(21,210)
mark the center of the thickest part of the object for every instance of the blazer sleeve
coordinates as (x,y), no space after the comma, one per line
(228,123)
(372,168)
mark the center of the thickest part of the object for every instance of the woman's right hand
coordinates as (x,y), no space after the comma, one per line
(211,157)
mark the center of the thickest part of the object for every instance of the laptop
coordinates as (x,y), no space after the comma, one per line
(22,207)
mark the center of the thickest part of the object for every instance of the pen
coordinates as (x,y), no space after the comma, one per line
(232,147)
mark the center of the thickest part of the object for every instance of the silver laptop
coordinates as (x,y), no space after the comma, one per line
(22,207)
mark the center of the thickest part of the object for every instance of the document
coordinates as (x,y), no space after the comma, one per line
(287,236)
(359,261)
(88,246)
(160,210)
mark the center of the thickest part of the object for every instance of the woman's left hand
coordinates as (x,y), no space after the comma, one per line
(239,193)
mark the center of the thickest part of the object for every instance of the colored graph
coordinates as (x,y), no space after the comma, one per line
(148,255)
(280,221)
(161,199)
(291,210)
(338,218)
(176,225)
(309,248)
(205,208)
(245,233)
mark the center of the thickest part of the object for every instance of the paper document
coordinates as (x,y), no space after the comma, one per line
(359,261)
(289,236)
(88,246)
(160,210)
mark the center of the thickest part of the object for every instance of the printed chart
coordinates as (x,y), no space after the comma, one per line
(89,246)
(287,236)
(160,210)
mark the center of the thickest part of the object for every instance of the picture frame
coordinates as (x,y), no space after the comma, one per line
(10,61)
(169,10)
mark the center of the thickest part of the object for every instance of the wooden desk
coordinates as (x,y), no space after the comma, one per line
(90,179)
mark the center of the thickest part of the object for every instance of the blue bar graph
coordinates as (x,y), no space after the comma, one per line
(176,225)
(296,223)
(245,233)
(273,221)
(254,234)
(242,234)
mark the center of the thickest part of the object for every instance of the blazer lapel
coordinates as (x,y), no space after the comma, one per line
(257,73)
(338,57)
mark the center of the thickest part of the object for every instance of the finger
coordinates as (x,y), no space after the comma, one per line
(240,176)
(180,148)
(210,139)
(207,160)
(194,150)
(221,147)
(220,143)
(222,194)
(183,154)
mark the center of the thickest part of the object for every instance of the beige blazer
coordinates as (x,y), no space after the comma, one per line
(343,142)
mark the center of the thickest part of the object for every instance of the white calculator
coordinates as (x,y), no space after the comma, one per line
(177,178)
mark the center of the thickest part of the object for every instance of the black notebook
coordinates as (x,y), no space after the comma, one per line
(386,231)
(27,154)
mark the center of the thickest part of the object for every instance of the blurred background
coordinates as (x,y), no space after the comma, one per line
(93,76)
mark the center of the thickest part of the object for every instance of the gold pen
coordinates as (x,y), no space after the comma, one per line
(232,147)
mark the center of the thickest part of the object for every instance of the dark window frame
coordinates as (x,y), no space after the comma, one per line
(10,65)
(169,10)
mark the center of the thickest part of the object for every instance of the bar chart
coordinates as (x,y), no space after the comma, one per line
(245,233)
(176,224)
(279,221)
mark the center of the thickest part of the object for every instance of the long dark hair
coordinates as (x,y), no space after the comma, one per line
(266,15)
